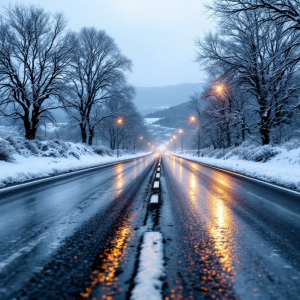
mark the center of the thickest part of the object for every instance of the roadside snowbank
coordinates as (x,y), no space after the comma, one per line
(281,167)
(22,160)
(28,168)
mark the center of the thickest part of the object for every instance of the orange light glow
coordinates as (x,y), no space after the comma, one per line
(120,121)
(174,136)
(192,118)
(141,138)
(180,131)
(219,89)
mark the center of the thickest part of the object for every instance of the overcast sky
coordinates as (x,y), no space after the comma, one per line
(157,35)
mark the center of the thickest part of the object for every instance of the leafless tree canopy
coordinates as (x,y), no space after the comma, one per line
(254,56)
(34,58)
(96,74)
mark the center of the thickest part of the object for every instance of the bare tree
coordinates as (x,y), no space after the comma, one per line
(34,57)
(97,73)
(282,10)
(261,58)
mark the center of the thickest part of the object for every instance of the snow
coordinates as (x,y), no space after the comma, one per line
(282,169)
(154,199)
(150,120)
(32,167)
(148,283)
(156,185)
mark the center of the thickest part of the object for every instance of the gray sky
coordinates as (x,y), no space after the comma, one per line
(158,35)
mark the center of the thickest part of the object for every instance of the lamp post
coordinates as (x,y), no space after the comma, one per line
(181,131)
(220,90)
(174,137)
(194,119)
(119,122)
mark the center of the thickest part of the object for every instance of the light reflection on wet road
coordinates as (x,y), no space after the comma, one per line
(228,237)
(34,219)
(225,236)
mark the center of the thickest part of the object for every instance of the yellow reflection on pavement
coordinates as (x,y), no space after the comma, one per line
(111,259)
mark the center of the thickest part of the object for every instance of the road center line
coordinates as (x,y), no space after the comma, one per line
(148,283)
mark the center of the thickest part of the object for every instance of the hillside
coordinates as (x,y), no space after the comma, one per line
(151,99)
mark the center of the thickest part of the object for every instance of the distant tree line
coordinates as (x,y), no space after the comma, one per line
(253,65)
(43,67)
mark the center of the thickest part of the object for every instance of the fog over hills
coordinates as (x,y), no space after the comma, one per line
(151,99)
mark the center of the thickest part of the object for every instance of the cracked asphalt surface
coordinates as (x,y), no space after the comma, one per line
(78,237)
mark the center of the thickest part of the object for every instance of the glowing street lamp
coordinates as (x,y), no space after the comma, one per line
(181,131)
(119,122)
(219,89)
(141,137)
(194,119)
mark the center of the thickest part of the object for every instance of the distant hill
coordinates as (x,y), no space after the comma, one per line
(173,117)
(151,99)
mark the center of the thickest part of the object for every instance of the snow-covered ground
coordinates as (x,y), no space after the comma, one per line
(22,160)
(28,168)
(283,168)
(150,120)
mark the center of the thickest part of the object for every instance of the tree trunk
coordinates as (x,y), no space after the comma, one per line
(91,135)
(30,132)
(83,133)
(265,135)
(30,129)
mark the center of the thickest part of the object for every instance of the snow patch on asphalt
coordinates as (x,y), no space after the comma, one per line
(148,281)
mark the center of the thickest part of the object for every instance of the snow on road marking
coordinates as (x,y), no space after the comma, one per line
(148,283)
(159,164)
(156,185)
(158,169)
(154,199)
(157,175)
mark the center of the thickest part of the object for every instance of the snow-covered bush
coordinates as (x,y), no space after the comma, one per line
(20,145)
(102,150)
(292,144)
(6,151)
(263,153)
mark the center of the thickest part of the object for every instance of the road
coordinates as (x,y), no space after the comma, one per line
(231,238)
(225,236)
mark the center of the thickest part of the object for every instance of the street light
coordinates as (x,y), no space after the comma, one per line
(219,89)
(141,138)
(174,137)
(181,131)
(119,122)
(194,119)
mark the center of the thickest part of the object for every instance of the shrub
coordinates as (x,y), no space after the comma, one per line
(292,144)
(102,150)
(6,151)
(263,153)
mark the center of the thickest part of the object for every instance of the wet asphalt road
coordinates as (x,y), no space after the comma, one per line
(52,233)
(78,237)
(231,237)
